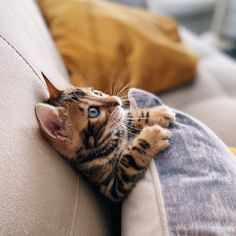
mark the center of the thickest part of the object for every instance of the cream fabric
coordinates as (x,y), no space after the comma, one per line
(39,193)
(197,174)
(212,97)
(222,118)
(143,212)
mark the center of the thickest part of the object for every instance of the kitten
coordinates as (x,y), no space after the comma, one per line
(110,146)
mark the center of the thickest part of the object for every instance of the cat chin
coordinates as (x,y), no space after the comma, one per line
(117,119)
(118,115)
(122,115)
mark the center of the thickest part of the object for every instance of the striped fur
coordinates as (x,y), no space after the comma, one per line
(112,150)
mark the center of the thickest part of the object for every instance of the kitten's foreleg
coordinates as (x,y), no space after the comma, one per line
(160,115)
(135,160)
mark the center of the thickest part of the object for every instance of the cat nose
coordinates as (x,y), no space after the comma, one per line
(116,101)
(115,104)
(112,101)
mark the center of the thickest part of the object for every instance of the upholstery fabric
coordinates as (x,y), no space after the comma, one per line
(212,96)
(100,41)
(39,193)
(197,176)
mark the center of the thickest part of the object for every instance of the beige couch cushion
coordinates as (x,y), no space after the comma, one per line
(196,178)
(212,97)
(143,211)
(39,193)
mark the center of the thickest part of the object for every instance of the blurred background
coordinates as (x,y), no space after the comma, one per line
(213,20)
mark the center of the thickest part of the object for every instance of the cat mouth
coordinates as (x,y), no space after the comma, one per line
(118,114)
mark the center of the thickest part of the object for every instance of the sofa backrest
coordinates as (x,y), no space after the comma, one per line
(39,193)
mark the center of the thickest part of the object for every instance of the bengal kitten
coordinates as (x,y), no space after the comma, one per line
(109,145)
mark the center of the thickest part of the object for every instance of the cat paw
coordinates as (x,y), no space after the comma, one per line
(157,137)
(165,116)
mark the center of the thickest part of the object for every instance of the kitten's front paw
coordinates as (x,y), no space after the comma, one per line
(157,137)
(165,116)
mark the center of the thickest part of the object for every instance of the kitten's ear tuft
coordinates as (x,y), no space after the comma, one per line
(52,122)
(53,91)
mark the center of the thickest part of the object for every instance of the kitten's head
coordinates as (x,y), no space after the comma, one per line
(77,118)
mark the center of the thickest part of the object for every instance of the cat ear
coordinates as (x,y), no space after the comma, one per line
(53,91)
(52,122)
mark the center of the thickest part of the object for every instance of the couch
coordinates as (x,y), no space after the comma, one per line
(40,194)
(211,98)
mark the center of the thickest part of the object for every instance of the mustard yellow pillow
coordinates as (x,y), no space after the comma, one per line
(100,41)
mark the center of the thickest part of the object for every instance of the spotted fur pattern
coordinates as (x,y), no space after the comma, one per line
(112,150)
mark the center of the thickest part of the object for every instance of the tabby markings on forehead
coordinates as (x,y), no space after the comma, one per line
(78,92)
(74,95)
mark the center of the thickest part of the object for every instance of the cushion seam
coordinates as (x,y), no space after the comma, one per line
(159,200)
(76,208)
(20,55)
(76,205)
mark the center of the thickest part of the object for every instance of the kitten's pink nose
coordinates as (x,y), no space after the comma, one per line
(116,101)
(112,101)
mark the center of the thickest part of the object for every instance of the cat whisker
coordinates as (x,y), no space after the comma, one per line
(123,90)
(134,128)
(124,98)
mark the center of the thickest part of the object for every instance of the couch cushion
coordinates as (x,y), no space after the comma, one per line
(191,188)
(219,114)
(212,97)
(39,193)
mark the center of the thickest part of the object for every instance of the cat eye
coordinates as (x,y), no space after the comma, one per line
(97,92)
(93,112)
